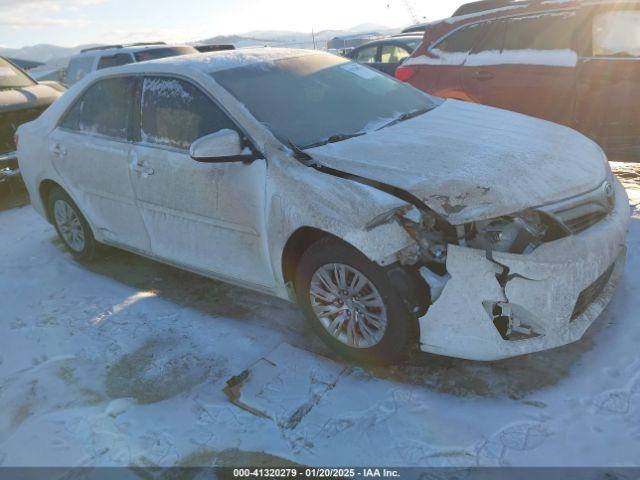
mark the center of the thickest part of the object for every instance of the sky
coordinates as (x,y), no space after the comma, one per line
(78,22)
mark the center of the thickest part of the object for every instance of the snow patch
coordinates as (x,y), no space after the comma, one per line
(555,58)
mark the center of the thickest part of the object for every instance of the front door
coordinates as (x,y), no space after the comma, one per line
(90,150)
(609,79)
(205,216)
(481,76)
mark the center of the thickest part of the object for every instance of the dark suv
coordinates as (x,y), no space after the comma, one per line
(22,99)
(575,63)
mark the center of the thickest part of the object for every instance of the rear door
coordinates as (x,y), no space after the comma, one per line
(206,216)
(534,71)
(90,149)
(441,71)
(609,78)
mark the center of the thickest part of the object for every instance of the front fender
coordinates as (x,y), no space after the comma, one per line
(306,198)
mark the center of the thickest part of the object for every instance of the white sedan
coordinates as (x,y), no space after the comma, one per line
(390,217)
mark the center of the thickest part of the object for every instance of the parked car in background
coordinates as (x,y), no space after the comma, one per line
(346,43)
(386,54)
(213,48)
(389,216)
(22,99)
(52,74)
(97,58)
(574,63)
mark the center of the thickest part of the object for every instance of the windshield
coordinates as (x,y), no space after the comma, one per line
(163,52)
(315,98)
(13,77)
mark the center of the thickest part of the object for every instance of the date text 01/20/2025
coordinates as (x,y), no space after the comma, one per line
(315,473)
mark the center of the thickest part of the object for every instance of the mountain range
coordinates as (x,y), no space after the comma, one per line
(55,55)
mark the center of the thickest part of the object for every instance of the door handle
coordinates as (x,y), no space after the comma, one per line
(142,168)
(482,76)
(58,150)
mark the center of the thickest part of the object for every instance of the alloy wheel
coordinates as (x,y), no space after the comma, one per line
(69,225)
(348,305)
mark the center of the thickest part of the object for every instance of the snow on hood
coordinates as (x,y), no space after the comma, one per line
(470,162)
(27,97)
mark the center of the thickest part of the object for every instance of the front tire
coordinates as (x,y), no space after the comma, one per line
(72,227)
(352,306)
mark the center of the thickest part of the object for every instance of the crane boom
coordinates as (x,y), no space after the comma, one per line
(411,11)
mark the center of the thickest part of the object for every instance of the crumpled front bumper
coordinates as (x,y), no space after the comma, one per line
(559,290)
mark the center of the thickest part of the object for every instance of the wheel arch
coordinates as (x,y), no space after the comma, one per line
(296,245)
(44,190)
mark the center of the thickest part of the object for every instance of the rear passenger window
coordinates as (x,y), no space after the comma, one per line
(367,55)
(115,60)
(461,41)
(493,38)
(548,32)
(393,54)
(104,109)
(175,113)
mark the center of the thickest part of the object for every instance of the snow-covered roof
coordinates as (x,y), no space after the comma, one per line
(224,60)
(125,49)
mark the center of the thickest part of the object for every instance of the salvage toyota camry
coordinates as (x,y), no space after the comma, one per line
(392,218)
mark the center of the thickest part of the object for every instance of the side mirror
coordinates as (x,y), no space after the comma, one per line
(222,146)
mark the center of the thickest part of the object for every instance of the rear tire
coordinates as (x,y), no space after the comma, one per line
(352,306)
(73,229)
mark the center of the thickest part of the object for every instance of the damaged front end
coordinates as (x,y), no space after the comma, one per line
(514,284)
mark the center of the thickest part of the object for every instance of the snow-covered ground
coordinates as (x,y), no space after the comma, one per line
(124,362)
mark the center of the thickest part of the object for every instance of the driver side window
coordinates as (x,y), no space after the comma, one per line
(175,113)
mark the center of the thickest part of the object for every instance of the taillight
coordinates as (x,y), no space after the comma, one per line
(405,73)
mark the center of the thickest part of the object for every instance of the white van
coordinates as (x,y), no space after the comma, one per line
(97,58)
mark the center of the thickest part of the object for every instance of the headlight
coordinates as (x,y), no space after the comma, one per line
(520,233)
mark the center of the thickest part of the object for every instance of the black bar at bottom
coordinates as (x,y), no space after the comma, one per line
(288,472)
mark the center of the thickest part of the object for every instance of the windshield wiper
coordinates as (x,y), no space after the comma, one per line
(340,137)
(406,116)
(300,154)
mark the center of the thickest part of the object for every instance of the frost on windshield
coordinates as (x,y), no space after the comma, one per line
(617,34)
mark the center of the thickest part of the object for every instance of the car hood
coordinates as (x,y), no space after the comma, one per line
(470,162)
(27,97)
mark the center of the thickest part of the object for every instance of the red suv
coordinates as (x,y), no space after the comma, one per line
(571,62)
